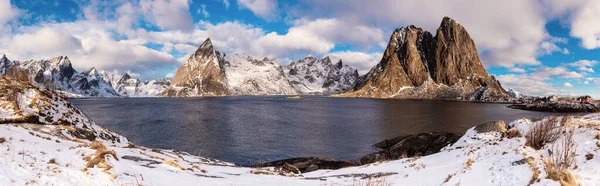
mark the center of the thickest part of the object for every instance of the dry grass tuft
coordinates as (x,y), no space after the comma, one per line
(174,164)
(546,131)
(2,140)
(561,159)
(99,157)
(513,133)
(536,173)
(470,163)
(52,161)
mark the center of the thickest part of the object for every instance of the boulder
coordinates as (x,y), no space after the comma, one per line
(410,146)
(492,126)
(308,164)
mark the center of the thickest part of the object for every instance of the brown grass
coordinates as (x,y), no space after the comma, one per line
(534,169)
(52,161)
(512,133)
(99,157)
(174,164)
(546,131)
(470,163)
(2,140)
(561,159)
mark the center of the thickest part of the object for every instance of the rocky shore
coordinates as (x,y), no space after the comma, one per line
(557,107)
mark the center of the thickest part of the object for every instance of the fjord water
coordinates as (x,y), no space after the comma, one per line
(249,130)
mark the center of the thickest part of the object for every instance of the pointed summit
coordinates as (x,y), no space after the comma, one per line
(4,59)
(201,75)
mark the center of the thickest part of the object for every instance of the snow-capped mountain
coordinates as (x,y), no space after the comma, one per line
(329,75)
(132,87)
(514,93)
(248,76)
(58,74)
(210,73)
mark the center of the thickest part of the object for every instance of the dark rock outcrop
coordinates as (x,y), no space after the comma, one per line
(308,164)
(492,126)
(557,107)
(416,65)
(410,146)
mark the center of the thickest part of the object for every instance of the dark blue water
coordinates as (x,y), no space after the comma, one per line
(248,130)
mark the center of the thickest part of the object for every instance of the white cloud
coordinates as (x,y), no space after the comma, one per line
(584,65)
(266,9)
(202,11)
(581,16)
(567,84)
(170,75)
(363,62)
(550,46)
(226,3)
(517,70)
(45,41)
(530,86)
(87,45)
(545,73)
(167,14)
(8,12)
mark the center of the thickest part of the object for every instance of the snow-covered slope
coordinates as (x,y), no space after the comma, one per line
(329,75)
(132,87)
(248,76)
(58,74)
(514,93)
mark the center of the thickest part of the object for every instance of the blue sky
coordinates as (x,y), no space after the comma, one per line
(537,47)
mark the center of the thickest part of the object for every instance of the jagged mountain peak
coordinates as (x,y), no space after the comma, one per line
(417,65)
(4,58)
(93,72)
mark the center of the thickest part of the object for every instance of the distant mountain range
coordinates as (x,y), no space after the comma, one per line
(58,74)
(415,65)
(211,73)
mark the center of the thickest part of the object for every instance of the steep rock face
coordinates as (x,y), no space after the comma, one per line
(91,83)
(249,76)
(329,75)
(201,75)
(416,65)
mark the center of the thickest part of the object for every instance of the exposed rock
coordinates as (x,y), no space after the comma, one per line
(210,73)
(557,107)
(417,65)
(410,146)
(492,126)
(307,164)
(201,75)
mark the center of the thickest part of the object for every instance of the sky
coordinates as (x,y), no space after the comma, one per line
(537,47)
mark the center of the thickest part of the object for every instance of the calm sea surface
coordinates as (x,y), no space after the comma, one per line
(248,130)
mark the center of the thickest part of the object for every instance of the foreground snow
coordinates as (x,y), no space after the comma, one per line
(476,159)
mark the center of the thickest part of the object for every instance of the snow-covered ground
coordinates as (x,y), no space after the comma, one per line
(59,150)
